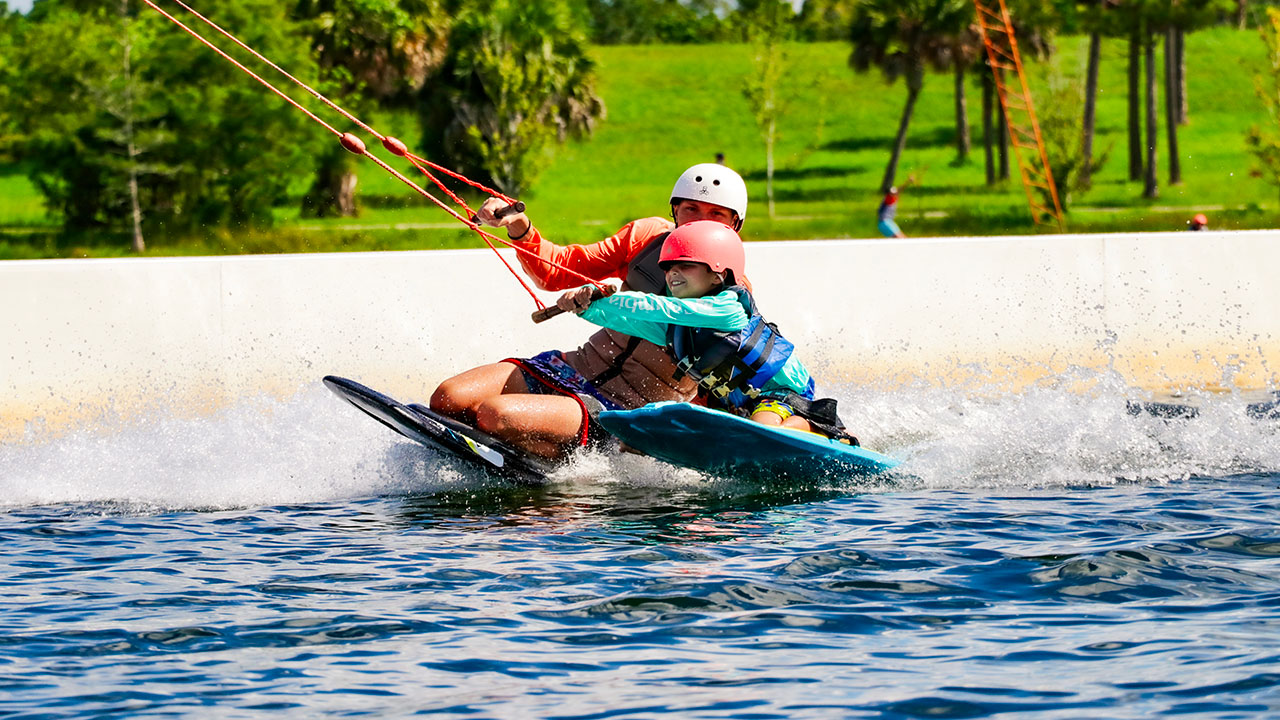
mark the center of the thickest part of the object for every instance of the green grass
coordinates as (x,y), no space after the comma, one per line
(672,106)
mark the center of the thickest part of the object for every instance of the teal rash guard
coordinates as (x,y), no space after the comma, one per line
(646,316)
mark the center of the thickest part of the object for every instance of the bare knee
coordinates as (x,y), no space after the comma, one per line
(767,417)
(795,422)
(447,400)
(461,395)
(491,419)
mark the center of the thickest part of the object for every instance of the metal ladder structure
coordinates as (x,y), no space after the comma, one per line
(996,29)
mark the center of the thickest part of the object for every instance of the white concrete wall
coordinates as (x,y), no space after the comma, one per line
(82,337)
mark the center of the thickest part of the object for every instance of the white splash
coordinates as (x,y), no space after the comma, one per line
(314,448)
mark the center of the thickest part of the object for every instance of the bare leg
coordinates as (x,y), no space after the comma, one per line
(797,423)
(545,425)
(495,399)
(461,396)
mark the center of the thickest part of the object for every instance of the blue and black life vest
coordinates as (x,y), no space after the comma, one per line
(732,367)
(644,273)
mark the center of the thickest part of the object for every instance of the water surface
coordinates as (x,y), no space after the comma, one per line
(1043,555)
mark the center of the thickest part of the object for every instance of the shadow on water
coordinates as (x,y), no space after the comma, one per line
(712,511)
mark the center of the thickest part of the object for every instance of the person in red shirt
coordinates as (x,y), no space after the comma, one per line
(546,404)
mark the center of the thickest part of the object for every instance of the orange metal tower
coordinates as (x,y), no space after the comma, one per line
(1019,112)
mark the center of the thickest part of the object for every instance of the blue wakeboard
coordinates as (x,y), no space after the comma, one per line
(443,434)
(722,444)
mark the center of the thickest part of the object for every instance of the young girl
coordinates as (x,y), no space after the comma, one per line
(711,326)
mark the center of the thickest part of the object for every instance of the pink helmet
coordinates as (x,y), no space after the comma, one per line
(707,242)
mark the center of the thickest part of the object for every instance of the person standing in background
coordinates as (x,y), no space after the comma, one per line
(886,214)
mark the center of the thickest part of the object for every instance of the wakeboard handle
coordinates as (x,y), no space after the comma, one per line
(513,208)
(547,313)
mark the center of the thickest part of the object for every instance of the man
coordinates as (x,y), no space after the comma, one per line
(546,404)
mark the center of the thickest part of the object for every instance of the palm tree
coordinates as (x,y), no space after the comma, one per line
(1149,182)
(1178,19)
(518,79)
(964,54)
(1143,20)
(901,37)
(371,53)
(1099,22)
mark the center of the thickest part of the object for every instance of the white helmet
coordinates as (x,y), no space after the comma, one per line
(713,183)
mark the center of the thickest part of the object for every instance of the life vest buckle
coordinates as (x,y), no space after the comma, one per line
(682,368)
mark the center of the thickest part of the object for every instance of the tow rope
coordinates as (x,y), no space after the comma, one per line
(396,147)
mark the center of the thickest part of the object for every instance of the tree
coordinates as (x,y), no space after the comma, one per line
(1177,19)
(128,135)
(371,53)
(901,37)
(1150,186)
(1098,22)
(209,148)
(965,52)
(1134,76)
(518,79)
(633,22)
(825,19)
(8,72)
(1033,22)
(1144,21)
(769,26)
(1263,141)
(1060,128)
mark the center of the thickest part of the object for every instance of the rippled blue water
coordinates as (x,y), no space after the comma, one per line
(1045,555)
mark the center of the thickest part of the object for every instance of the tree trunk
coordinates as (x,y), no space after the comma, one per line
(988,133)
(963,144)
(1135,106)
(131,149)
(1171,104)
(1002,141)
(1180,67)
(1090,110)
(333,193)
(1242,13)
(1150,188)
(915,81)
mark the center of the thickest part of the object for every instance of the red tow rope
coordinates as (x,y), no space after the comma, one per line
(392,145)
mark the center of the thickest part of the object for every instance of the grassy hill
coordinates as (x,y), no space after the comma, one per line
(672,106)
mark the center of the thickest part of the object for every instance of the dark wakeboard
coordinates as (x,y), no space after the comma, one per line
(446,435)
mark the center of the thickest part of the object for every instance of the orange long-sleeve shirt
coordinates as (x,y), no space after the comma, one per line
(606,259)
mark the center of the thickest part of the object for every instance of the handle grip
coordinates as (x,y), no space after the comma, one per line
(547,313)
(512,209)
